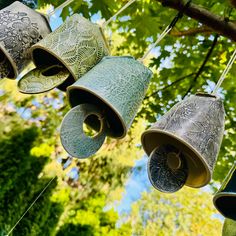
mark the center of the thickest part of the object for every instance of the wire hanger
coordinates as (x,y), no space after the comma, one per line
(225,72)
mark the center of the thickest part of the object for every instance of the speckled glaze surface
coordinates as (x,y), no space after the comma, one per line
(20,28)
(225,199)
(118,85)
(5,67)
(41,80)
(229,228)
(161,176)
(73,138)
(196,127)
(78,44)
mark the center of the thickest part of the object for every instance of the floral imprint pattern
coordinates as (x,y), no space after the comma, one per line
(18,34)
(79,44)
(20,28)
(199,121)
(119,81)
(161,175)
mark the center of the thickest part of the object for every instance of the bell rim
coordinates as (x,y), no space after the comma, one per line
(31,93)
(39,46)
(101,132)
(219,195)
(79,87)
(207,171)
(11,61)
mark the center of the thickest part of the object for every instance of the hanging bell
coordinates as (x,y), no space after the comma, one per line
(20,28)
(78,45)
(116,86)
(225,199)
(183,145)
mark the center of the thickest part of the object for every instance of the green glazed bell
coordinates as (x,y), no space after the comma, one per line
(229,228)
(183,145)
(117,86)
(20,28)
(78,45)
(225,199)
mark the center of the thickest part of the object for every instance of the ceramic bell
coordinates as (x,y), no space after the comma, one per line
(20,28)
(225,199)
(78,45)
(183,145)
(229,228)
(116,87)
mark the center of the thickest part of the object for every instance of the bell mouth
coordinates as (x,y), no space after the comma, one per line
(43,57)
(225,203)
(5,56)
(116,127)
(199,173)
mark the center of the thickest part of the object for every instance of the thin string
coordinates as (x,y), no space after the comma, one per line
(105,24)
(164,33)
(225,72)
(167,30)
(32,204)
(63,5)
(65,166)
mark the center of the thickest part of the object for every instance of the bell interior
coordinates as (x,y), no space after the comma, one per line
(97,125)
(227,206)
(198,173)
(114,125)
(43,58)
(4,59)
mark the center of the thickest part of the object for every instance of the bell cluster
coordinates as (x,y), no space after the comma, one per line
(105,93)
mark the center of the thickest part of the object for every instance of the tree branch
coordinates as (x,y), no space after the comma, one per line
(215,22)
(191,32)
(169,85)
(203,65)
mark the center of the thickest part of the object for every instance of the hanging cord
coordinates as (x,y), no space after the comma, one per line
(105,24)
(225,72)
(45,188)
(63,5)
(166,31)
(65,166)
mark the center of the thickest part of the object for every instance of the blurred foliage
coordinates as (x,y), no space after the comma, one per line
(30,144)
(162,214)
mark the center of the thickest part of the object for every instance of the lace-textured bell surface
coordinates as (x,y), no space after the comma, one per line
(118,84)
(43,79)
(79,44)
(161,175)
(20,28)
(73,138)
(196,125)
